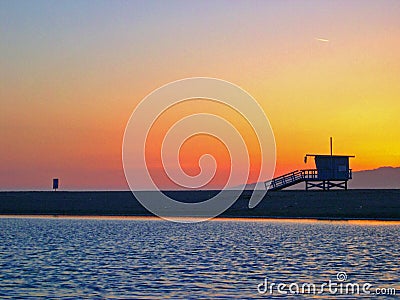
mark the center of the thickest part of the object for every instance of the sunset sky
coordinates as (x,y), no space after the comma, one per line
(72,72)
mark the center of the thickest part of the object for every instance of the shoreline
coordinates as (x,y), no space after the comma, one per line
(389,222)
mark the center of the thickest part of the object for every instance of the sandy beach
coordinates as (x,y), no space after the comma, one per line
(332,205)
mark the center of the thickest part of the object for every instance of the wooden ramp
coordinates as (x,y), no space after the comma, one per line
(312,178)
(286,180)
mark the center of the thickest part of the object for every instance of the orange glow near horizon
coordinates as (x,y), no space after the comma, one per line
(196,146)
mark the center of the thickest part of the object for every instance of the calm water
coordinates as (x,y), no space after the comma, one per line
(76,258)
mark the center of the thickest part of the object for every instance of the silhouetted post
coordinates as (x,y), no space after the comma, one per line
(332,173)
(55,184)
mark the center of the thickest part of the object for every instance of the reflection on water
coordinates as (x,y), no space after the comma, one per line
(219,259)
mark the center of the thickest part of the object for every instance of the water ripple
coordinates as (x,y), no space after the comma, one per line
(61,258)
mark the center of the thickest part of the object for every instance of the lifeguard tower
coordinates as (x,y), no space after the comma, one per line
(332,172)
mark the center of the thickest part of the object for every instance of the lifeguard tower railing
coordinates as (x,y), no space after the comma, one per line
(309,175)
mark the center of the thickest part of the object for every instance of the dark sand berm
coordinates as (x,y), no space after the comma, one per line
(331,205)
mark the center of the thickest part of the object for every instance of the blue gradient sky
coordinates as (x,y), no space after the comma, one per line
(73,71)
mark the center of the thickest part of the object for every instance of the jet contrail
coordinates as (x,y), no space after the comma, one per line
(322,40)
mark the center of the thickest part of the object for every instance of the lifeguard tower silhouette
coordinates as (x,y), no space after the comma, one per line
(332,172)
